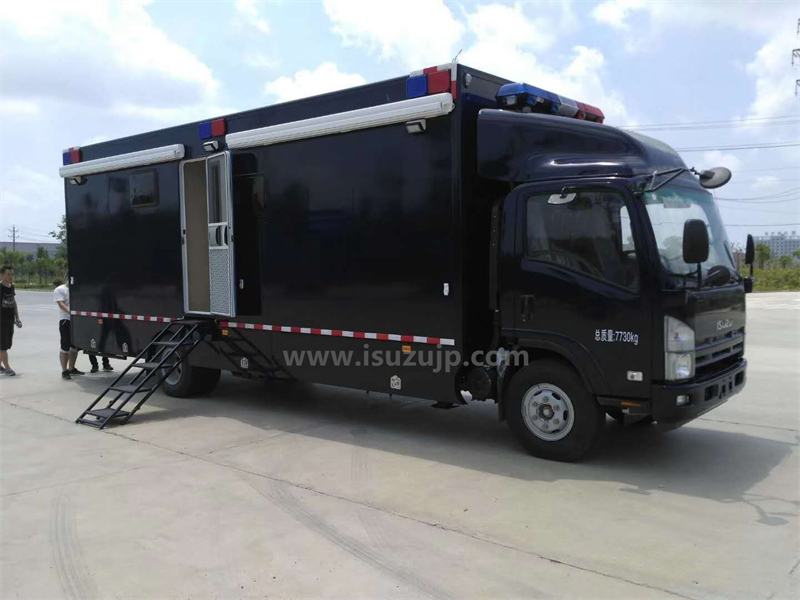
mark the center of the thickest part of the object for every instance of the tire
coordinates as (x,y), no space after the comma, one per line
(539,398)
(204,380)
(187,381)
(178,383)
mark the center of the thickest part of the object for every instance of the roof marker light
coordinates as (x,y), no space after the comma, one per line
(217,127)
(416,86)
(71,156)
(438,82)
(204,130)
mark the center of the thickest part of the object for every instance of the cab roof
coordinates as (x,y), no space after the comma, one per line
(523,147)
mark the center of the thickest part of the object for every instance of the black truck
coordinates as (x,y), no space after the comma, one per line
(447,235)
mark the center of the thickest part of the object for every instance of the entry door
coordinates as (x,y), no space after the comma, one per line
(220,235)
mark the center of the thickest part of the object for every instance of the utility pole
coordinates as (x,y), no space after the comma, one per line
(14,232)
(796,54)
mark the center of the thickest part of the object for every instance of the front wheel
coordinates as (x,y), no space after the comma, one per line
(552,413)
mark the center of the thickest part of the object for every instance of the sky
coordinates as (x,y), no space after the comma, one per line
(699,74)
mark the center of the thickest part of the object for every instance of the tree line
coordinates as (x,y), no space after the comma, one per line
(39,269)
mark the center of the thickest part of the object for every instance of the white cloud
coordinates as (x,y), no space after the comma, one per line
(774,21)
(34,199)
(11,107)
(517,57)
(121,57)
(259,60)
(325,78)
(615,12)
(419,34)
(248,10)
(498,24)
(774,79)
(715,158)
(95,139)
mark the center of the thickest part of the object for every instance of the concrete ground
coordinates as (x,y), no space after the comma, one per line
(296,490)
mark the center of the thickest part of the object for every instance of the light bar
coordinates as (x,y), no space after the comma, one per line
(528,98)
(425,107)
(522,95)
(124,161)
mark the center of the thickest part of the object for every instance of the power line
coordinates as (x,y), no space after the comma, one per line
(762,181)
(760,224)
(750,147)
(760,210)
(797,168)
(705,127)
(759,201)
(782,195)
(747,119)
(767,197)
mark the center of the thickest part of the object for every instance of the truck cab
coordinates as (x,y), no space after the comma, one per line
(592,283)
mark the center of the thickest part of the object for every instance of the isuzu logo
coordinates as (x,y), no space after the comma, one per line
(724,324)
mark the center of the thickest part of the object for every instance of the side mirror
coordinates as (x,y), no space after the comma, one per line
(714,178)
(750,251)
(695,242)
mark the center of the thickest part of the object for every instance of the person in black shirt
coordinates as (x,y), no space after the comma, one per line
(9,316)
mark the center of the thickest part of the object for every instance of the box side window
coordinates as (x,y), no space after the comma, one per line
(144,188)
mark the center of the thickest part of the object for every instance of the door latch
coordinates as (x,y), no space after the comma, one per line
(241,284)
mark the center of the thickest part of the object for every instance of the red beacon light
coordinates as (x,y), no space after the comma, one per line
(589,113)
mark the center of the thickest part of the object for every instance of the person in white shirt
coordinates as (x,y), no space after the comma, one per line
(68,354)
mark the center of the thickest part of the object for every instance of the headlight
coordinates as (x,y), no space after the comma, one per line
(678,349)
(679,366)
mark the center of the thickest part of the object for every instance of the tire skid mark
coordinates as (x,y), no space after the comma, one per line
(359,480)
(280,495)
(70,566)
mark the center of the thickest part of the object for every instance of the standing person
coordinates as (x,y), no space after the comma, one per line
(93,360)
(9,316)
(68,354)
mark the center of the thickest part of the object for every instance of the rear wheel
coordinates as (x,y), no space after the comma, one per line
(204,380)
(186,380)
(552,413)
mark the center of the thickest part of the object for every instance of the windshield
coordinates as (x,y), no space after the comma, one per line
(669,208)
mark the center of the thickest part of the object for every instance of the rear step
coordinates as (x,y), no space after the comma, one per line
(164,357)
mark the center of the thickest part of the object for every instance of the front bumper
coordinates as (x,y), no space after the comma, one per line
(704,395)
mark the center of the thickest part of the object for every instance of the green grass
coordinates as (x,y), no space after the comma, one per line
(776,280)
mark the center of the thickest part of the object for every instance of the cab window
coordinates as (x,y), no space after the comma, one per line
(588,232)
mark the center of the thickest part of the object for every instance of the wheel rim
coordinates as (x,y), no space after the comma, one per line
(174,377)
(548,412)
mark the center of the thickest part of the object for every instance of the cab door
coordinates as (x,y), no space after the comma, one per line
(578,280)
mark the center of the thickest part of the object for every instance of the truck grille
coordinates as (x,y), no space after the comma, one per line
(719,352)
